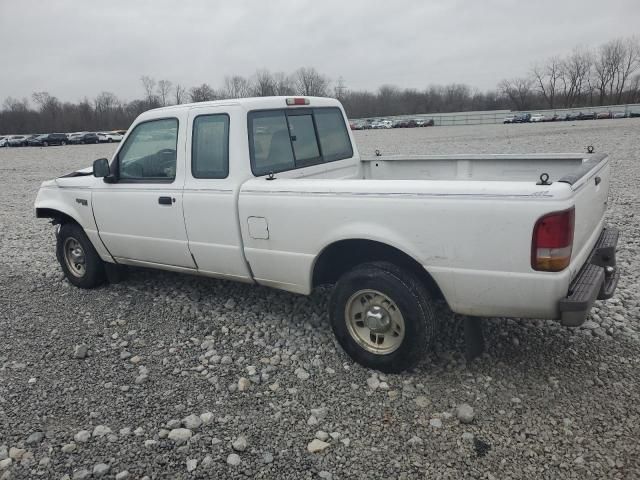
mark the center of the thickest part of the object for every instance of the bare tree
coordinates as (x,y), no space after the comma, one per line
(518,90)
(547,78)
(179,93)
(14,105)
(283,84)
(311,83)
(164,88)
(203,93)
(149,85)
(629,63)
(263,84)
(340,89)
(574,73)
(236,86)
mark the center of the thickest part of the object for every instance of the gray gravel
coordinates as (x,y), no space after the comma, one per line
(163,374)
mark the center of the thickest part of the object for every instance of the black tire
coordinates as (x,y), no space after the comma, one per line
(63,143)
(109,140)
(413,301)
(94,274)
(45,144)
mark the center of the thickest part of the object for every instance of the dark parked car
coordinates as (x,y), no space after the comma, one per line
(87,137)
(48,139)
(634,114)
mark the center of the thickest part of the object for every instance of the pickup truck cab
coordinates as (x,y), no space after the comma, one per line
(273,191)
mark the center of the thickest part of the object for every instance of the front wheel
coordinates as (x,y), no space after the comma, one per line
(80,262)
(382,316)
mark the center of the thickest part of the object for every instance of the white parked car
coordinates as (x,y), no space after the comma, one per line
(109,137)
(272,191)
(3,142)
(17,140)
(509,119)
(538,117)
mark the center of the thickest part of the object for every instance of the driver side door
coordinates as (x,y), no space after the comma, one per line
(139,217)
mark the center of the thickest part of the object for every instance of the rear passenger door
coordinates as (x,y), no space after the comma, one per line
(211,191)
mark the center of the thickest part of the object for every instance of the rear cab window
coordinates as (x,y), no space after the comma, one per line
(287,139)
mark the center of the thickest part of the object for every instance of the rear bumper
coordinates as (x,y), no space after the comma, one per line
(597,280)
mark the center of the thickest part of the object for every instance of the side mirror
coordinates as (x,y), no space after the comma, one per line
(101,168)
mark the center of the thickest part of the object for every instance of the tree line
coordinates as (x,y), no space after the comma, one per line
(604,75)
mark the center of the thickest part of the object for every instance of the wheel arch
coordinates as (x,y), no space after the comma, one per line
(341,256)
(58,216)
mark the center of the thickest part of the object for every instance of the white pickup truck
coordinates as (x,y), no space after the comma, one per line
(272,191)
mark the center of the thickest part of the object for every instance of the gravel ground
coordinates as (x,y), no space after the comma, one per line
(172,376)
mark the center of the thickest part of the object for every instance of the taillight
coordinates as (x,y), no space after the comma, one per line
(552,241)
(297,101)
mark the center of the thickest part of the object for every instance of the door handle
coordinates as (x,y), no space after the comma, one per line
(166,200)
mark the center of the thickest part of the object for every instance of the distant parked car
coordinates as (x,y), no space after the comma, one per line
(634,114)
(509,119)
(109,137)
(89,137)
(555,118)
(421,122)
(48,139)
(74,137)
(17,141)
(522,118)
(3,142)
(619,115)
(538,117)
(586,116)
(602,115)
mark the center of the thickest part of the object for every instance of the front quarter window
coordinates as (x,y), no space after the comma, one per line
(150,152)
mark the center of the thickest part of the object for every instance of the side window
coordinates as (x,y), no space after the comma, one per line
(269,142)
(303,139)
(281,140)
(210,146)
(332,132)
(150,152)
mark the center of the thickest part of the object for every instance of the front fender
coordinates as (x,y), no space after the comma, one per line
(71,203)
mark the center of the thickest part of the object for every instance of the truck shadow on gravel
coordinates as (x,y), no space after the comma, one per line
(517,343)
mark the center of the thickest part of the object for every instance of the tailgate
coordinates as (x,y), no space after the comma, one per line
(590,184)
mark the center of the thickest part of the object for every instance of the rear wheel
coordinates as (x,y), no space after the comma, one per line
(45,144)
(80,262)
(382,316)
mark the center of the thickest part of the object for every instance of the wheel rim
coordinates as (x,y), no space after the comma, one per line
(374,321)
(74,257)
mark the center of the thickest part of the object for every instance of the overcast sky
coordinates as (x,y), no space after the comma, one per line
(79,48)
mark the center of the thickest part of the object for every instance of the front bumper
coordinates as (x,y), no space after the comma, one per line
(597,280)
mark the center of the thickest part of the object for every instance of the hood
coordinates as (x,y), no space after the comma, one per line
(83,172)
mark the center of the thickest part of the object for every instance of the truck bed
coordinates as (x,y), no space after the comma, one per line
(507,167)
